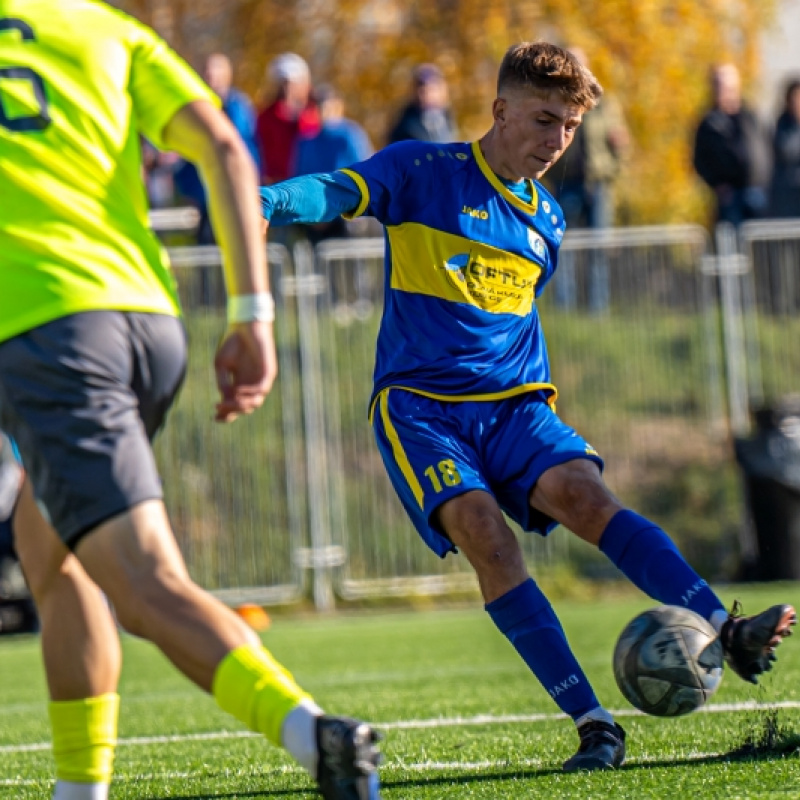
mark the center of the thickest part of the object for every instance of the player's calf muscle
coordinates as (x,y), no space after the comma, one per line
(41,553)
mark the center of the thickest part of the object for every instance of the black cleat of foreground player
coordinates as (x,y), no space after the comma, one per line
(749,642)
(602,747)
(348,759)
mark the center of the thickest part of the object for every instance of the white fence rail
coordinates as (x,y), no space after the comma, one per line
(770,309)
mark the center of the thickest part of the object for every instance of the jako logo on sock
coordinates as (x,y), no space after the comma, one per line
(564,686)
(694,589)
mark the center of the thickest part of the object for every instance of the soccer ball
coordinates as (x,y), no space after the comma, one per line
(668,661)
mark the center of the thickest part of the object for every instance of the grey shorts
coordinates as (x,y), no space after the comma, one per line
(83,397)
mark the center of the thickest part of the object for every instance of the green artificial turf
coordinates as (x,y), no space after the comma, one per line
(462,716)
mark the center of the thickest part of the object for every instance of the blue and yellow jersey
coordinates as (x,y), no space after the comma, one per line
(79,83)
(465,260)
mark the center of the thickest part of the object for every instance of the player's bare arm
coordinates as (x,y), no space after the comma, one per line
(246,362)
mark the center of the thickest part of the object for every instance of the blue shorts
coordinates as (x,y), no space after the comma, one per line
(435,450)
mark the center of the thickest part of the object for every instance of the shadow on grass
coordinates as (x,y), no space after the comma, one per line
(769,741)
(775,750)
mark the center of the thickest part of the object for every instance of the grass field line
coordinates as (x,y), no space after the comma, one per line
(417,724)
(398,764)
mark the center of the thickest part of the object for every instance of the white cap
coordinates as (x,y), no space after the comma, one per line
(288,67)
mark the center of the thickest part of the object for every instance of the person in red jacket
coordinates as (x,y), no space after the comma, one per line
(292,114)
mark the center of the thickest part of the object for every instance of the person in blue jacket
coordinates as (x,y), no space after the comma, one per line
(218,74)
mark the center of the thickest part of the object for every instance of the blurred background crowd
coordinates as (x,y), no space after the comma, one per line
(685,131)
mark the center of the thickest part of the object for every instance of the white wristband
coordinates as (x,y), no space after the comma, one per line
(258,307)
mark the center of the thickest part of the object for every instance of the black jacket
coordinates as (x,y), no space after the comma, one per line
(424,125)
(785,190)
(733,150)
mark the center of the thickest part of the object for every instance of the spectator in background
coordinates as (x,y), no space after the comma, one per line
(427,117)
(339,142)
(289,116)
(583,183)
(218,74)
(785,189)
(732,152)
(236,104)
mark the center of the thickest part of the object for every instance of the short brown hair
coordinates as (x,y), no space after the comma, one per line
(545,68)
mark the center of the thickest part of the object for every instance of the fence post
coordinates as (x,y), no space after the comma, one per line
(322,556)
(731,268)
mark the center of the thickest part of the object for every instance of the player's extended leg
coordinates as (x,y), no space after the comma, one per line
(474,523)
(134,558)
(82,680)
(574,493)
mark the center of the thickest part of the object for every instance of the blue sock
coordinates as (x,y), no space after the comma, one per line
(527,619)
(651,561)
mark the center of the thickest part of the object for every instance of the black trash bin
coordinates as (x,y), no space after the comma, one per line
(770,463)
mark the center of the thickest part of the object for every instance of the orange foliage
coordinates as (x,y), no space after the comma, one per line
(653,55)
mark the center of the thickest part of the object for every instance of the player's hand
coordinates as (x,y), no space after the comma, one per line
(246,366)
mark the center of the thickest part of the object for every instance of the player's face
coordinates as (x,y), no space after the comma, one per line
(533,132)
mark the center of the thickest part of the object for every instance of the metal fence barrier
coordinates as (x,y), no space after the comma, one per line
(659,349)
(366,520)
(764,311)
(237,494)
(657,316)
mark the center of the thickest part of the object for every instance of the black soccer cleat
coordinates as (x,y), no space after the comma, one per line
(348,759)
(749,642)
(602,747)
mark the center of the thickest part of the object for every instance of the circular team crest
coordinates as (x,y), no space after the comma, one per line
(536,242)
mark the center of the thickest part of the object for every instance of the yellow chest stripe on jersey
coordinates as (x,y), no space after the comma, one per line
(457,269)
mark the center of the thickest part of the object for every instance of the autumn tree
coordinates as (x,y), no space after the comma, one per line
(654,55)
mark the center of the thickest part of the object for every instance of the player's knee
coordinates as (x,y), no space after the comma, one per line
(487,541)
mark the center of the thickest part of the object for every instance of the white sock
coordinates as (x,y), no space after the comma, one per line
(598,714)
(299,734)
(718,618)
(66,790)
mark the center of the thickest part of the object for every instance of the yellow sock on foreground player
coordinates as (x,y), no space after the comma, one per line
(249,684)
(84,739)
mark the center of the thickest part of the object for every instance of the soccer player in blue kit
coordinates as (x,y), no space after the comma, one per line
(463,401)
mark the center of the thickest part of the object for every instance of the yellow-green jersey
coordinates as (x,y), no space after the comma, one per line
(79,83)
